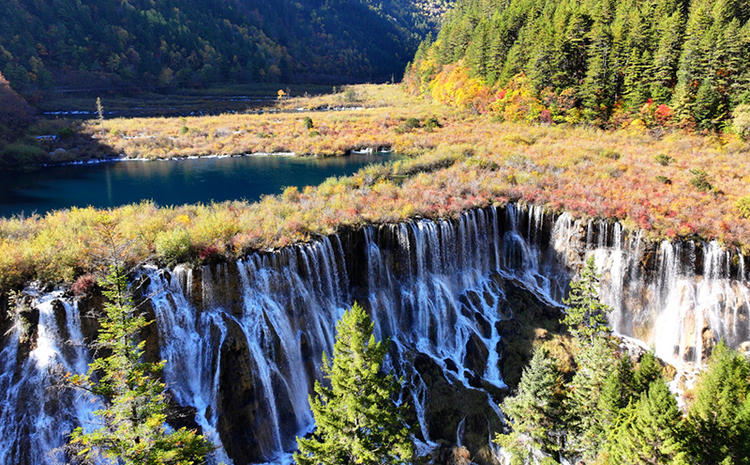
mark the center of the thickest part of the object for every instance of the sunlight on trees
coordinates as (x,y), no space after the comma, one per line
(586,316)
(135,401)
(357,418)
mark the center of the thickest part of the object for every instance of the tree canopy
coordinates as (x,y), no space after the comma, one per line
(357,417)
(684,61)
(136,43)
(586,315)
(135,401)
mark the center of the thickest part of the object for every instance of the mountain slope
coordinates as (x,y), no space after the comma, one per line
(125,43)
(603,58)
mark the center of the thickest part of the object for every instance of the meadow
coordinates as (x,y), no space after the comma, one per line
(670,185)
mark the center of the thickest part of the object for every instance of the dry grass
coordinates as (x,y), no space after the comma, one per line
(373,123)
(467,163)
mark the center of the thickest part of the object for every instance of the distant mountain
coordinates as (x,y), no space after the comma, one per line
(134,43)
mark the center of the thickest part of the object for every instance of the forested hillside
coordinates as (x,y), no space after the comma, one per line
(607,61)
(136,43)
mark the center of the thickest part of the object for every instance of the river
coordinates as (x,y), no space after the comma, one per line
(168,182)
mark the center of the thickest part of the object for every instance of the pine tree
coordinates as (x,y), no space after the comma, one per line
(135,401)
(597,87)
(586,316)
(647,372)
(651,430)
(719,418)
(666,57)
(535,411)
(587,422)
(357,420)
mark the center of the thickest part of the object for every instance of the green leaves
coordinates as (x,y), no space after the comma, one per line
(357,418)
(586,316)
(134,400)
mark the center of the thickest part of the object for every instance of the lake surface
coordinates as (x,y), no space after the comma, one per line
(169,182)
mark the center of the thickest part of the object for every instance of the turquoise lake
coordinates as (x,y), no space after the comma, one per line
(169,182)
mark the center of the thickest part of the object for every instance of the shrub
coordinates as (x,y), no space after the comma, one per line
(410,124)
(432,123)
(743,205)
(290,194)
(741,119)
(609,153)
(173,245)
(308,122)
(65,133)
(663,160)
(701,180)
(664,180)
(83,284)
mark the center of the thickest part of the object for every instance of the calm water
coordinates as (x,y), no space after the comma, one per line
(168,182)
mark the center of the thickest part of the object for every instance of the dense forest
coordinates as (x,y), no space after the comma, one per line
(137,43)
(606,61)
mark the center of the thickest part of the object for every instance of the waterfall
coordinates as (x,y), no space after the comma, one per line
(35,415)
(243,341)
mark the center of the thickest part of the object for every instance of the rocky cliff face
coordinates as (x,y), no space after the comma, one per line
(461,300)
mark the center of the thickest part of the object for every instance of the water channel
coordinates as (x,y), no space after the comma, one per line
(168,182)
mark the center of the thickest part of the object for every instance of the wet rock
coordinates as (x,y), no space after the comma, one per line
(242,418)
(476,355)
(449,404)
(179,416)
(484,326)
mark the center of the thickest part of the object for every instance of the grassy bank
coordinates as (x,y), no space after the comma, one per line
(670,186)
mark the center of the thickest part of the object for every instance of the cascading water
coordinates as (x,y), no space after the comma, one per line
(243,341)
(35,415)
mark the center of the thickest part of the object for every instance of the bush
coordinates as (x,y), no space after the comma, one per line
(701,180)
(350,96)
(432,123)
(308,122)
(743,205)
(663,160)
(173,245)
(741,119)
(664,180)
(410,124)
(609,153)
(65,133)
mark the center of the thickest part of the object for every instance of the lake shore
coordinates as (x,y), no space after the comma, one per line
(671,185)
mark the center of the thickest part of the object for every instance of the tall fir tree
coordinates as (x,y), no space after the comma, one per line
(535,412)
(357,418)
(586,315)
(651,430)
(135,401)
(587,422)
(719,416)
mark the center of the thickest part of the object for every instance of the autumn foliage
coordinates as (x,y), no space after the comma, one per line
(15,113)
(467,160)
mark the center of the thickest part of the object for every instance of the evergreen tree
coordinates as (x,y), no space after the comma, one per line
(719,417)
(586,316)
(663,73)
(647,372)
(596,90)
(135,401)
(357,420)
(587,422)
(535,411)
(650,430)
